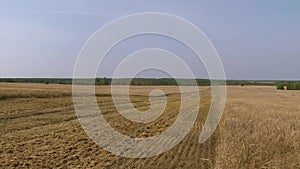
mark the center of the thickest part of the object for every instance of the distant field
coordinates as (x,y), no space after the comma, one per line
(39,128)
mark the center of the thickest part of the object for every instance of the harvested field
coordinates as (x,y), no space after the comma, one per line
(260,129)
(39,128)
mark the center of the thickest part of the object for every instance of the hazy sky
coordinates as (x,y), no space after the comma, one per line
(255,39)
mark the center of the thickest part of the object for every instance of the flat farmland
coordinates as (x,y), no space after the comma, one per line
(39,129)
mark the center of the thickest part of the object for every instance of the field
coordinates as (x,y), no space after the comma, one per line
(39,129)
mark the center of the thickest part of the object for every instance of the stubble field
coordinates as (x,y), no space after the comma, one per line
(39,129)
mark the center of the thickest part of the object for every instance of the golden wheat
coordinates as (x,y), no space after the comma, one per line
(39,128)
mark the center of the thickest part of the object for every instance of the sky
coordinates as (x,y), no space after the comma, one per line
(255,39)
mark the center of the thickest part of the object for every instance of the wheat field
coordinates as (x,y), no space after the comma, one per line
(39,129)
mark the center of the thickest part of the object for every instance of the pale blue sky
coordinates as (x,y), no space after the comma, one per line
(255,39)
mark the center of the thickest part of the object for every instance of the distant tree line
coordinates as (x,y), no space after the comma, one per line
(109,81)
(38,80)
(251,82)
(291,85)
(161,81)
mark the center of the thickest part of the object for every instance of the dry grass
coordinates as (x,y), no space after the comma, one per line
(44,131)
(260,129)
